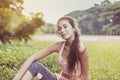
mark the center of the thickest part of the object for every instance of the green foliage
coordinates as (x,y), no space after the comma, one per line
(26,29)
(94,19)
(14,5)
(48,28)
(14,25)
(7,3)
(104,59)
(5,16)
(47,62)
(13,55)
(7,9)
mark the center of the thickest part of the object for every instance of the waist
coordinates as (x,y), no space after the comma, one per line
(70,76)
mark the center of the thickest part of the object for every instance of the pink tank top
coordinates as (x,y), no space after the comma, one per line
(63,63)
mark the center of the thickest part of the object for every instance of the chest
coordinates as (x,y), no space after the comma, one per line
(65,52)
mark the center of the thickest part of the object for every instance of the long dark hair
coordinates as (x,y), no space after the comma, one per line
(73,57)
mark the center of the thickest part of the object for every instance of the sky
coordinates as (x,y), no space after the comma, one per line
(54,9)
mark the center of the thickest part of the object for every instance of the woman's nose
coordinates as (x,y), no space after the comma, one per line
(62,30)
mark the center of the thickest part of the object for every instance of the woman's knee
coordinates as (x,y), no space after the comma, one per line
(34,65)
(34,68)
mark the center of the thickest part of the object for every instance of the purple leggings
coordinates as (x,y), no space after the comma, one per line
(36,68)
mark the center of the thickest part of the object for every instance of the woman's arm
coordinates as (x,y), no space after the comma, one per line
(37,56)
(84,62)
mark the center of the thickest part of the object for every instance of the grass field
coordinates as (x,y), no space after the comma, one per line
(104,57)
(104,60)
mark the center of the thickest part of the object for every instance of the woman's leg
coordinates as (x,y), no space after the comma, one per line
(39,71)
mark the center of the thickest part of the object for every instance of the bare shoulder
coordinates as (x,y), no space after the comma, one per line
(57,45)
(82,47)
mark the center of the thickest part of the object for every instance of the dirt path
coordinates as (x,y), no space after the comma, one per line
(88,38)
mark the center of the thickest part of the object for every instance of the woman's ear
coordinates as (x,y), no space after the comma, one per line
(58,34)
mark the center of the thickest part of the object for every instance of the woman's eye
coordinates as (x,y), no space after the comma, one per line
(65,26)
(59,28)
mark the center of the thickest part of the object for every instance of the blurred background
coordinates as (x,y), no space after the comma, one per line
(18,23)
(27,26)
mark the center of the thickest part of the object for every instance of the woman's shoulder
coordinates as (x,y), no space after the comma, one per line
(82,47)
(59,44)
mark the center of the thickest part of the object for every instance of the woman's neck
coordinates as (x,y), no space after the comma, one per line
(69,41)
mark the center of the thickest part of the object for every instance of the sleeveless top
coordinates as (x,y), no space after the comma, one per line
(63,63)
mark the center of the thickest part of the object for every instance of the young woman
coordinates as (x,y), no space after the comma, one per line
(72,56)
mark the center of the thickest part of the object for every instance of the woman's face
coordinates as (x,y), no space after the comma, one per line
(65,29)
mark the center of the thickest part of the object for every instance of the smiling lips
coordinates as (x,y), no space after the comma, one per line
(63,34)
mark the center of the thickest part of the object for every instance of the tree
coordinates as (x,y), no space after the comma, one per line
(105,3)
(48,28)
(100,19)
(28,28)
(13,24)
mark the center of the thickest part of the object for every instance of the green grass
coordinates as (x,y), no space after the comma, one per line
(104,58)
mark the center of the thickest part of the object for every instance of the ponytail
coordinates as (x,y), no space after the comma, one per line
(73,56)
